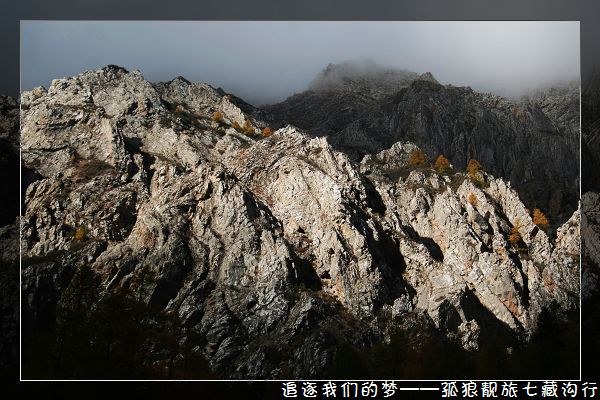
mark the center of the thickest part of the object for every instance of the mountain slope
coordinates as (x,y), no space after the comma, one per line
(270,253)
(514,140)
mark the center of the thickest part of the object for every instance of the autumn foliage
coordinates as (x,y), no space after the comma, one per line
(540,219)
(248,129)
(474,169)
(236,126)
(417,158)
(266,132)
(473,166)
(442,164)
(472,199)
(217,116)
(515,235)
(80,233)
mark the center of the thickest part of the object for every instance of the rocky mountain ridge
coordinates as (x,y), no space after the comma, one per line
(272,249)
(532,143)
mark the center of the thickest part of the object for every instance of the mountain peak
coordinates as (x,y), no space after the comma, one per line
(362,73)
(180,79)
(428,76)
(114,68)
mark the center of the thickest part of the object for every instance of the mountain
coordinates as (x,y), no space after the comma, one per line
(168,233)
(560,103)
(341,94)
(590,131)
(534,143)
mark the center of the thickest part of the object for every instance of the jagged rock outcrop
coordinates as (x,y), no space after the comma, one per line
(561,105)
(271,251)
(590,209)
(341,94)
(590,202)
(590,244)
(535,151)
(466,228)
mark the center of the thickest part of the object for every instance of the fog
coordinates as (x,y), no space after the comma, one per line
(267,61)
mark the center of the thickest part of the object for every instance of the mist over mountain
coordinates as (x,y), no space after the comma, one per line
(533,141)
(265,62)
(366,71)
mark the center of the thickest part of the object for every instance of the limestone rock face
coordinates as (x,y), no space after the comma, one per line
(590,131)
(534,144)
(271,251)
(590,242)
(590,200)
(561,106)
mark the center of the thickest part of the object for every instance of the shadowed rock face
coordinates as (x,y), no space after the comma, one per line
(533,143)
(590,132)
(275,251)
(9,236)
(9,159)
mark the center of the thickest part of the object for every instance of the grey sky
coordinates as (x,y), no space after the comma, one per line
(267,61)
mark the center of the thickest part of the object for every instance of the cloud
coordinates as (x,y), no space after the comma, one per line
(265,62)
